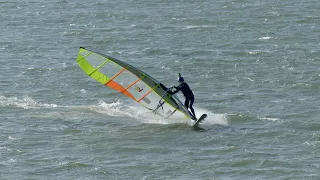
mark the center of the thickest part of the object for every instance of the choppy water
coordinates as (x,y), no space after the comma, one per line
(253,66)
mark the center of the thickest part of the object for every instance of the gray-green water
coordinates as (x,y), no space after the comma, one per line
(253,65)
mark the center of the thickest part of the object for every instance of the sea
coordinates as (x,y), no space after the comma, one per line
(254,67)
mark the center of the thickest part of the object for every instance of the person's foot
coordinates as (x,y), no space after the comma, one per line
(192,116)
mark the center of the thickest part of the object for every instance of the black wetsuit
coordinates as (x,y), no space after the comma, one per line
(186,91)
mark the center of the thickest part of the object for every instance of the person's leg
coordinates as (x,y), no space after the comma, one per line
(191,108)
(186,103)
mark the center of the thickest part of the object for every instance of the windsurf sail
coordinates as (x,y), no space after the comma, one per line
(131,82)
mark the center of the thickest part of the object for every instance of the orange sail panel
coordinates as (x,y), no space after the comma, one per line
(114,85)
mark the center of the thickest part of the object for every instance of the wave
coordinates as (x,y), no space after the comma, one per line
(140,113)
(24,102)
(114,109)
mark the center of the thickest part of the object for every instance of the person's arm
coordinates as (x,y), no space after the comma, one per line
(177,89)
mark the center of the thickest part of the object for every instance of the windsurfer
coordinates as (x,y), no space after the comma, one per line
(186,91)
